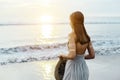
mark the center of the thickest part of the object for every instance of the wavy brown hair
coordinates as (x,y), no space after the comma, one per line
(77,23)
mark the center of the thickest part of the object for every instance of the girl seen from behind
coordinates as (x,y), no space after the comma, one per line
(79,41)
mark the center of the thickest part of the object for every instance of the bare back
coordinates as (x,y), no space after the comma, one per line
(80,48)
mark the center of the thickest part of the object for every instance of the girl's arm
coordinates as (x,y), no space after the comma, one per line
(72,50)
(91,52)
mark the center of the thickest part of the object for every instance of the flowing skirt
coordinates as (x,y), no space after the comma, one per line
(76,69)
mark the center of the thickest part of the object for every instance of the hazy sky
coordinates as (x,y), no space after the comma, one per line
(30,11)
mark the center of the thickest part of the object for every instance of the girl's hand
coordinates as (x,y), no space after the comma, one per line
(61,57)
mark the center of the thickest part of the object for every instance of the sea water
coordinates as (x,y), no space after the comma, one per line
(26,43)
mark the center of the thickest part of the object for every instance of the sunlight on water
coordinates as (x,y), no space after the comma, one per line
(46,31)
(20,35)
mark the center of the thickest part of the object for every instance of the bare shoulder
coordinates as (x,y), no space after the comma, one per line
(72,35)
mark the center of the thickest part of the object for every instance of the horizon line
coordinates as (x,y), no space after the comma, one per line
(92,22)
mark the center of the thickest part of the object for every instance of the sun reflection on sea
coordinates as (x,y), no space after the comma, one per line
(46,31)
(46,27)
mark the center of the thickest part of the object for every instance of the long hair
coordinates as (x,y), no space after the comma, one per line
(77,23)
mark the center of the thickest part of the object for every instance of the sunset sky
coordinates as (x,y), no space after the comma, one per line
(33,11)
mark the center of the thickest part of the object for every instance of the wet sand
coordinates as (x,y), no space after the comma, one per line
(100,68)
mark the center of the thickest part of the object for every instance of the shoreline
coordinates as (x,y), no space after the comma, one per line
(100,68)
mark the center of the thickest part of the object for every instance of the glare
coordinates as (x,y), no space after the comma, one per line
(45,2)
(46,19)
(46,31)
(48,68)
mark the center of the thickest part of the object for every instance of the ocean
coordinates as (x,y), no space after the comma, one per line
(35,42)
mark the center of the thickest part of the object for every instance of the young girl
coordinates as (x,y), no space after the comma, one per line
(79,41)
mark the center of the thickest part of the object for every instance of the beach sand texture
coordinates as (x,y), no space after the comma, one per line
(100,68)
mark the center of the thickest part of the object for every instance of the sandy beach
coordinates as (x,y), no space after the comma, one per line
(100,68)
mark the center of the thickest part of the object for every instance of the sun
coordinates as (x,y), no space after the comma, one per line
(46,19)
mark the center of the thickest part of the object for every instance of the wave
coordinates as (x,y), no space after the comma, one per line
(96,42)
(29,48)
(45,52)
(30,53)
